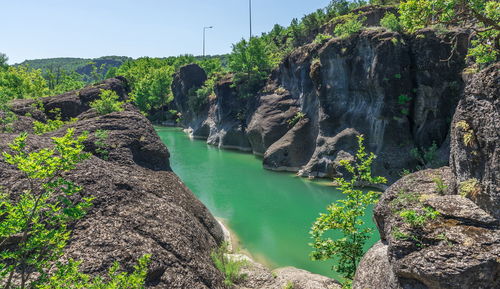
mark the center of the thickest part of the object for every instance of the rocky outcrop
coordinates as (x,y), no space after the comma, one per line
(259,277)
(440,228)
(222,121)
(399,91)
(140,206)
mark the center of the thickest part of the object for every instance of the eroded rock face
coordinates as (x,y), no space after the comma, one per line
(394,89)
(454,241)
(140,206)
(475,139)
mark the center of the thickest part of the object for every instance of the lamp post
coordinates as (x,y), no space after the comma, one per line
(250,14)
(204,30)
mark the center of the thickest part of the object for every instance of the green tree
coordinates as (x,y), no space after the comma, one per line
(21,82)
(151,80)
(3,61)
(345,216)
(480,16)
(250,64)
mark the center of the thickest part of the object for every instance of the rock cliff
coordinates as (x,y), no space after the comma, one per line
(140,206)
(454,241)
(400,91)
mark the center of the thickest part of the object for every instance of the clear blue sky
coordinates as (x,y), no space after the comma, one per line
(34,29)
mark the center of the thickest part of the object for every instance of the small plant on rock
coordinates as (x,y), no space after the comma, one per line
(100,143)
(469,188)
(296,118)
(228,266)
(440,185)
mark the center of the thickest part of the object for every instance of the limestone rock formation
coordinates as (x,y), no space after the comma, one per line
(440,228)
(140,206)
(393,88)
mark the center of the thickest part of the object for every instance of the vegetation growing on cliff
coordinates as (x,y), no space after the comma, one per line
(345,215)
(34,225)
(107,103)
(480,16)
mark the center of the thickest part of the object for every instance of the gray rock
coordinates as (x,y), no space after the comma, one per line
(293,150)
(269,122)
(259,277)
(475,141)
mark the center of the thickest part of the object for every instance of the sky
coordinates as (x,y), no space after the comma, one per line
(34,29)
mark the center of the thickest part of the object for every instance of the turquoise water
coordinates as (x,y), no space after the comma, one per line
(270,212)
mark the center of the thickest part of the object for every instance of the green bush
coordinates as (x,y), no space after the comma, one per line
(42,212)
(350,26)
(107,103)
(321,38)
(391,22)
(418,219)
(229,267)
(51,124)
(67,276)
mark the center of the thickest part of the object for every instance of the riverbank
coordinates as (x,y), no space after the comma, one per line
(257,275)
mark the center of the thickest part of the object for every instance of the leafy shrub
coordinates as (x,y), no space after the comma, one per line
(107,103)
(321,38)
(35,225)
(404,99)
(418,219)
(229,267)
(350,26)
(51,124)
(391,22)
(67,276)
(346,216)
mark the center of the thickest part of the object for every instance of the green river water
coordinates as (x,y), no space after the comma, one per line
(271,213)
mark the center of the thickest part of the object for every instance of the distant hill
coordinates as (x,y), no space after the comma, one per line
(83,66)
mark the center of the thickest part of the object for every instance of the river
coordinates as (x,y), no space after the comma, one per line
(270,212)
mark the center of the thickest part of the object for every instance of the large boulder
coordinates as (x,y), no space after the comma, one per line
(140,206)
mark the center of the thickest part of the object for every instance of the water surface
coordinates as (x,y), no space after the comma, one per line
(270,212)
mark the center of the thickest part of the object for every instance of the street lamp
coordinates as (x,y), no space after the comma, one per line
(204,30)
(250,14)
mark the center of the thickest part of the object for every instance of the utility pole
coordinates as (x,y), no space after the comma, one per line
(250,13)
(204,31)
